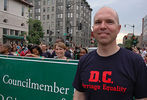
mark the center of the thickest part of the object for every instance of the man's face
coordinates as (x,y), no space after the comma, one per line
(106,26)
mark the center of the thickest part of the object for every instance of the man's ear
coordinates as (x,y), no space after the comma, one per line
(119,28)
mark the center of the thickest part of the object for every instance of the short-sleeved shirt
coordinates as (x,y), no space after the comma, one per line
(117,77)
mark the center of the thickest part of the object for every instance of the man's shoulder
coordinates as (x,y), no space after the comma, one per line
(130,54)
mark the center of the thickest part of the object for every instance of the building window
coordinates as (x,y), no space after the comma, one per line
(22,24)
(22,13)
(52,16)
(48,9)
(5,20)
(16,32)
(52,24)
(58,23)
(71,15)
(77,7)
(77,15)
(43,17)
(61,23)
(37,10)
(68,15)
(5,31)
(39,3)
(5,5)
(11,32)
(43,9)
(31,11)
(60,16)
(44,2)
(53,1)
(60,7)
(52,9)
(48,24)
(48,17)
(39,18)
(48,2)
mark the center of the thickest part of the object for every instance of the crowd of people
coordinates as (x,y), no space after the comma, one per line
(142,52)
(58,51)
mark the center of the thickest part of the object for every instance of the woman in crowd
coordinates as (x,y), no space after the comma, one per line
(60,49)
(83,51)
(35,52)
(6,49)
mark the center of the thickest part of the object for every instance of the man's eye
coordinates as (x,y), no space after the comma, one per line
(97,22)
(110,21)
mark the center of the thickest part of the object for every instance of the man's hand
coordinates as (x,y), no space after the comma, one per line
(79,95)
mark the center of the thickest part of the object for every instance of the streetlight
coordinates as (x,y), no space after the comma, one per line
(133,26)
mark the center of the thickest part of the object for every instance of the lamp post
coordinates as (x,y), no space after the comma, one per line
(133,26)
(133,38)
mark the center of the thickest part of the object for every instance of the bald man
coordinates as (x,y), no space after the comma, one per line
(110,72)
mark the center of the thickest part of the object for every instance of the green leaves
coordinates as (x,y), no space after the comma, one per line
(131,42)
(35,31)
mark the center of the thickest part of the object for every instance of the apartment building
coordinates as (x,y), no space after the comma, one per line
(144,31)
(67,19)
(13,20)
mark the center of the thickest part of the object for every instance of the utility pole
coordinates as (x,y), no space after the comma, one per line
(133,26)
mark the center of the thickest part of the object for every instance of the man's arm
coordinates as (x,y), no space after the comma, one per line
(79,95)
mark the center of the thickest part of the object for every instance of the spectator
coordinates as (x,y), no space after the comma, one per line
(6,49)
(67,53)
(83,51)
(35,52)
(60,50)
(45,53)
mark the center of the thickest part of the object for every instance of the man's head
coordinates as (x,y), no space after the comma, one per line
(106,26)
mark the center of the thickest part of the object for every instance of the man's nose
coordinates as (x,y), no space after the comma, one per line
(103,26)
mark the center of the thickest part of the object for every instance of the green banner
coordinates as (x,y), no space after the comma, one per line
(23,78)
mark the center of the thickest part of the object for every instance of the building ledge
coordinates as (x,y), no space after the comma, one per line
(25,2)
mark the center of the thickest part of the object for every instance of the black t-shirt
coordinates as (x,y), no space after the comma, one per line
(117,77)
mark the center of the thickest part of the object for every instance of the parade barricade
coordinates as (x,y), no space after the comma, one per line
(24,78)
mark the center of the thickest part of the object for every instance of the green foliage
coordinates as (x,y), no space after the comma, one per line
(129,43)
(35,31)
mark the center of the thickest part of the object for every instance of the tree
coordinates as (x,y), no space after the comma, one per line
(35,31)
(134,40)
(129,43)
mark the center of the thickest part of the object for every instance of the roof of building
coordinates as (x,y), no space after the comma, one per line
(25,2)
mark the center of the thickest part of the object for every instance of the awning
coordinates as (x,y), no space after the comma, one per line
(13,37)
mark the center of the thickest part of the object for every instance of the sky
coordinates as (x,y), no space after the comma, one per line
(130,12)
